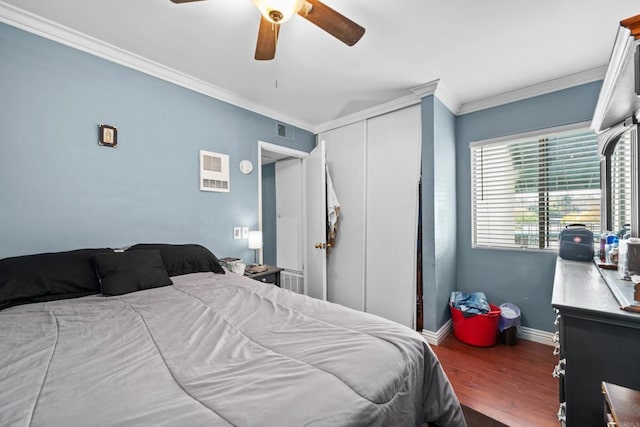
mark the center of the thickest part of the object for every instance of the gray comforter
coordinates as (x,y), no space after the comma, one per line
(215,350)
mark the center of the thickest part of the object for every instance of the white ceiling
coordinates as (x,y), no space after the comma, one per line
(477,49)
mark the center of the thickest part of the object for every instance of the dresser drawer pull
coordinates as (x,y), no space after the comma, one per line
(562,416)
(559,369)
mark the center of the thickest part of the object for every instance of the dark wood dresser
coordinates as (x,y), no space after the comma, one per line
(621,405)
(596,341)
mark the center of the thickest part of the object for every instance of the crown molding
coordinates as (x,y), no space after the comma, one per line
(35,24)
(549,86)
(433,87)
(48,29)
(387,107)
(437,88)
(448,98)
(426,89)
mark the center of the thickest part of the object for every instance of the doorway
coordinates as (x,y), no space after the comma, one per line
(281,214)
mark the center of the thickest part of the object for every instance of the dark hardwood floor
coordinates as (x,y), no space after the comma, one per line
(510,384)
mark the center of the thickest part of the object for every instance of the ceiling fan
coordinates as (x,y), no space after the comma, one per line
(276,12)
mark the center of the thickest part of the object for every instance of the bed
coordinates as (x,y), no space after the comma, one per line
(204,349)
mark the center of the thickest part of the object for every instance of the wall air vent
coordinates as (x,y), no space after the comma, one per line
(292,280)
(214,171)
(284,131)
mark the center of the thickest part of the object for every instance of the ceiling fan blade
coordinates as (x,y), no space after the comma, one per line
(183,1)
(267,40)
(331,21)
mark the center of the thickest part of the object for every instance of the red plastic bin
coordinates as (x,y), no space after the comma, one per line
(480,330)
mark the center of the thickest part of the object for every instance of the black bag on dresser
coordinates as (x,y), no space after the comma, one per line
(576,243)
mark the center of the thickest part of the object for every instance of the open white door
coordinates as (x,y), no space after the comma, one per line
(315,268)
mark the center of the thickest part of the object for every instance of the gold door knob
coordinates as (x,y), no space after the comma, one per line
(319,245)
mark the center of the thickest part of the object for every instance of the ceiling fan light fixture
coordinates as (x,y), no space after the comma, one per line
(278,11)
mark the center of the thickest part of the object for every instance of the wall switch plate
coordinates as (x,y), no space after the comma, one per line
(245,232)
(237,233)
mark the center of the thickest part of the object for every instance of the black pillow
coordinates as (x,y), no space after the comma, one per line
(124,272)
(48,276)
(183,259)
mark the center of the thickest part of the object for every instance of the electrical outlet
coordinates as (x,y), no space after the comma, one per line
(237,233)
(245,232)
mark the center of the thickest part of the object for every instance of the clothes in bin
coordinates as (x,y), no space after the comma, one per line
(480,330)
(470,304)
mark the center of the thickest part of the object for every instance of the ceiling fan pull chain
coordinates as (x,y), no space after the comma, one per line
(275,63)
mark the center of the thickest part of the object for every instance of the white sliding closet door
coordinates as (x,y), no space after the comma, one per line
(393,170)
(345,264)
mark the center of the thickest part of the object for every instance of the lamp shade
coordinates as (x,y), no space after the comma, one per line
(255,240)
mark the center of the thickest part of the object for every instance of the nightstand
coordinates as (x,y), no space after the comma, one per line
(271,275)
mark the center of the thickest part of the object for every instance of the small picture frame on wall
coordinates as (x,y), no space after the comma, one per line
(108,136)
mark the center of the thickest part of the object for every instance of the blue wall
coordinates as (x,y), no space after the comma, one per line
(429,284)
(438,210)
(524,277)
(60,190)
(269,227)
(445,208)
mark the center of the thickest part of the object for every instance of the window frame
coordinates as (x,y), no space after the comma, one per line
(515,138)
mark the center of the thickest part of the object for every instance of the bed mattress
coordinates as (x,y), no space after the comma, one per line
(215,350)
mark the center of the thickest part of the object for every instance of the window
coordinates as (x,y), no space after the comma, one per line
(525,190)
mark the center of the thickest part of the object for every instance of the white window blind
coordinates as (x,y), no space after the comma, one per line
(525,191)
(621,183)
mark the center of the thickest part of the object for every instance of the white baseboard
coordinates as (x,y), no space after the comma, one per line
(435,338)
(536,335)
(529,334)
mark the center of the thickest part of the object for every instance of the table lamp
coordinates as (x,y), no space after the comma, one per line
(255,242)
